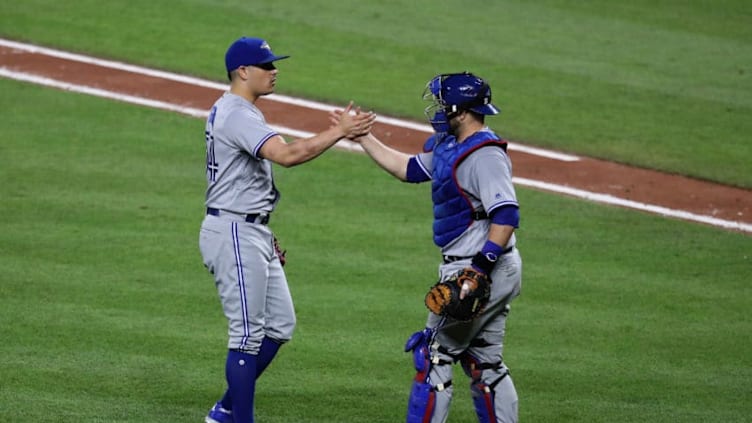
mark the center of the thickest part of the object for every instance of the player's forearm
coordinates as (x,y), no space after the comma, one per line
(500,234)
(389,159)
(302,150)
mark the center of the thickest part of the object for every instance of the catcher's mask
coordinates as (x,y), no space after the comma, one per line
(452,93)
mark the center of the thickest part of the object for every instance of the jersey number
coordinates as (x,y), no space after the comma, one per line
(212,167)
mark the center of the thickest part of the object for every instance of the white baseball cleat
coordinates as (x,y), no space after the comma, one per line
(218,414)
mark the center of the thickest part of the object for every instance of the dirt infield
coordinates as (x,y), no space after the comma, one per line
(596,176)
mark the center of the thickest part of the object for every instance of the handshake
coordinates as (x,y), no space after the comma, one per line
(352,122)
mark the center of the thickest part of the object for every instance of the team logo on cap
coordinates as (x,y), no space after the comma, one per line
(467,91)
(266,46)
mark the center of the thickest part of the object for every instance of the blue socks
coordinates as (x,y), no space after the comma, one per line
(240,378)
(266,354)
(240,370)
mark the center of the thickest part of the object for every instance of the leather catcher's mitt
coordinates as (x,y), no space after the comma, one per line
(444,297)
(280,252)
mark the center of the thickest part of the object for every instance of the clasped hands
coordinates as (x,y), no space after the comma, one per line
(353,122)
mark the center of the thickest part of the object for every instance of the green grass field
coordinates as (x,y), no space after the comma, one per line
(661,84)
(107,314)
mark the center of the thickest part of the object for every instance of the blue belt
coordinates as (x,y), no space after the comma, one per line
(450,259)
(262,219)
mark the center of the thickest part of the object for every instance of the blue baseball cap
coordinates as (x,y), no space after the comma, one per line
(247,51)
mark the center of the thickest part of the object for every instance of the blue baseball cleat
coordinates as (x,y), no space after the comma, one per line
(219,415)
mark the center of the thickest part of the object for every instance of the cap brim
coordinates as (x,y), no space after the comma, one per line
(273,59)
(486,109)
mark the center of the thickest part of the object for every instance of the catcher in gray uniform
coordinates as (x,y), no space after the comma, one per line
(235,241)
(475,216)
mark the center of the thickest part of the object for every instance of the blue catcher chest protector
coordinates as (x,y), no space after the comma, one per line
(452,210)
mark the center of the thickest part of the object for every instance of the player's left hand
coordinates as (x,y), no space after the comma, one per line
(461,297)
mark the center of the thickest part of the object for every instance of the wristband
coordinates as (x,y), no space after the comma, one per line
(486,258)
(492,250)
(482,264)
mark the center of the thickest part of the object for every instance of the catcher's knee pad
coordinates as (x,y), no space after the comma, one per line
(422,402)
(483,389)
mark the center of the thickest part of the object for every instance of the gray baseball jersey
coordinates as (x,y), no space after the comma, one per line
(238,179)
(486,175)
(237,247)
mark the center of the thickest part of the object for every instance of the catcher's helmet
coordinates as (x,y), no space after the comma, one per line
(451,93)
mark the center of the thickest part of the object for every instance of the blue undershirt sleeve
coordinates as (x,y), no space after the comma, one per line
(506,215)
(416,172)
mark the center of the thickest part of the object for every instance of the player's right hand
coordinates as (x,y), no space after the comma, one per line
(353,123)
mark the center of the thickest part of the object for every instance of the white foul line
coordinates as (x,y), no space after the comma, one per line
(616,201)
(344,144)
(273,97)
(156,104)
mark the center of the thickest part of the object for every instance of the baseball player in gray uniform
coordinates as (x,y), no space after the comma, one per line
(475,216)
(236,243)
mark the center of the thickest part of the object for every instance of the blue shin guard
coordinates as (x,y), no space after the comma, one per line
(422,397)
(422,403)
(483,399)
(484,396)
